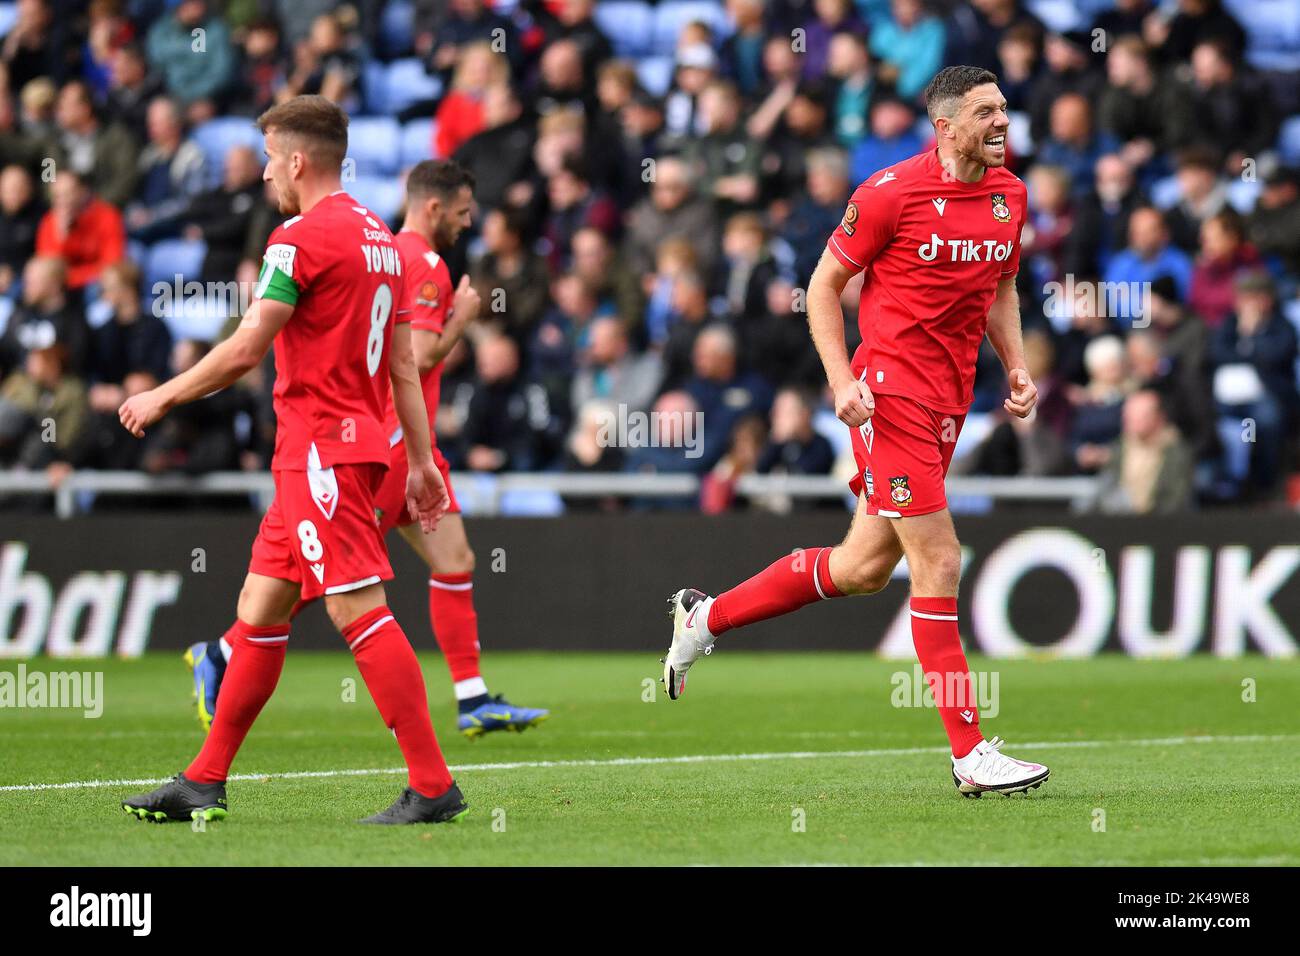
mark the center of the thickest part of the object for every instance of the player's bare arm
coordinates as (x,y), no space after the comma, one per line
(1005,337)
(228,362)
(431,348)
(854,403)
(426,492)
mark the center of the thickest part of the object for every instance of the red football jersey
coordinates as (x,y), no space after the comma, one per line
(427,307)
(340,269)
(934,250)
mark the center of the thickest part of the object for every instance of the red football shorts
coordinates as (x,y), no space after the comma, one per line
(321,532)
(390,502)
(903,453)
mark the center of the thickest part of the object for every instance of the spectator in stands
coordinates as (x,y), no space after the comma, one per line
(642,128)
(501,155)
(1101,223)
(776,343)
(1189,412)
(42,409)
(1072,142)
(1018,65)
(592,448)
(697,67)
(44,316)
(1272,224)
(198,437)
(1148,470)
(131,88)
(103,443)
(103,154)
(1051,216)
(460,115)
(571,21)
(1148,256)
(296,16)
(575,205)
(673,447)
(725,162)
(974,30)
(172,172)
(893,138)
(616,287)
(198,82)
(508,421)
(817,209)
(20,215)
(510,277)
(36,45)
(37,107)
(1196,22)
(671,210)
(1224,255)
(849,64)
(909,45)
(688,316)
(718,487)
(742,52)
(107,30)
(1123,18)
(1254,356)
(1232,110)
(1069,68)
(803,128)
(221,217)
(1151,116)
(608,369)
(132,340)
(552,353)
(261,69)
(829,17)
(447,28)
(1098,404)
(724,393)
(794,448)
(80,228)
(782,69)
(747,267)
(1183,343)
(1201,194)
(324,65)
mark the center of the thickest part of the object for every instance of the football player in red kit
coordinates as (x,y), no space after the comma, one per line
(937,237)
(439,196)
(329,294)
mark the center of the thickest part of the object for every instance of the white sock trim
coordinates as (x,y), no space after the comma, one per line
(816,579)
(444,586)
(370,630)
(273,639)
(934,617)
(470,687)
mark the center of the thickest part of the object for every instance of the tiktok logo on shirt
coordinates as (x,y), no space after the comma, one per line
(965,250)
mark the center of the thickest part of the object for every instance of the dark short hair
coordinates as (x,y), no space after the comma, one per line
(952,83)
(320,125)
(438,177)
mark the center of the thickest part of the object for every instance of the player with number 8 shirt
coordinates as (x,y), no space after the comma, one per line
(327,294)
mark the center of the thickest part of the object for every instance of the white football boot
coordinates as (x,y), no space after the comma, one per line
(986,770)
(689,610)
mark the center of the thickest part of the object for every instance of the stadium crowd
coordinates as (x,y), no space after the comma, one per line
(655,185)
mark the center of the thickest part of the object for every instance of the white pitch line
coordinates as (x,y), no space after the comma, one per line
(689,759)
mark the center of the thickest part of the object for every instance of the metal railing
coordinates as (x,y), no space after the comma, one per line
(487,494)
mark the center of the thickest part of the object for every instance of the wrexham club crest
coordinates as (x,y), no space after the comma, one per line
(899,493)
(1001,211)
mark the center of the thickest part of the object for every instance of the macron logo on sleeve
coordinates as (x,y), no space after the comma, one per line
(887,178)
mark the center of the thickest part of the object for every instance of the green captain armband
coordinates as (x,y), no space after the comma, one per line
(275,281)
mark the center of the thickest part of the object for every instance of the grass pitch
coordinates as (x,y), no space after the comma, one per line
(768,759)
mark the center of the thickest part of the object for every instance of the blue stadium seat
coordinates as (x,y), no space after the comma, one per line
(417,141)
(629,24)
(374,144)
(1242,195)
(407,83)
(672,15)
(1059,15)
(655,73)
(531,503)
(1164,192)
(374,88)
(8,17)
(217,136)
(167,259)
(379,194)
(198,318)
(1288,141)
(397,29)
(1272,31)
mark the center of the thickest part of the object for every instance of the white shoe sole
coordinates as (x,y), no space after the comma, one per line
(1020,786)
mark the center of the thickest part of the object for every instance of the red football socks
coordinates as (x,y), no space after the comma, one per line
(455,622)
(252,672)
(938,647)
(392,675)
(784,586)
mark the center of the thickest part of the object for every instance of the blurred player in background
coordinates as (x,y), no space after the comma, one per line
(329,294)
(439,197)
(938,236)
